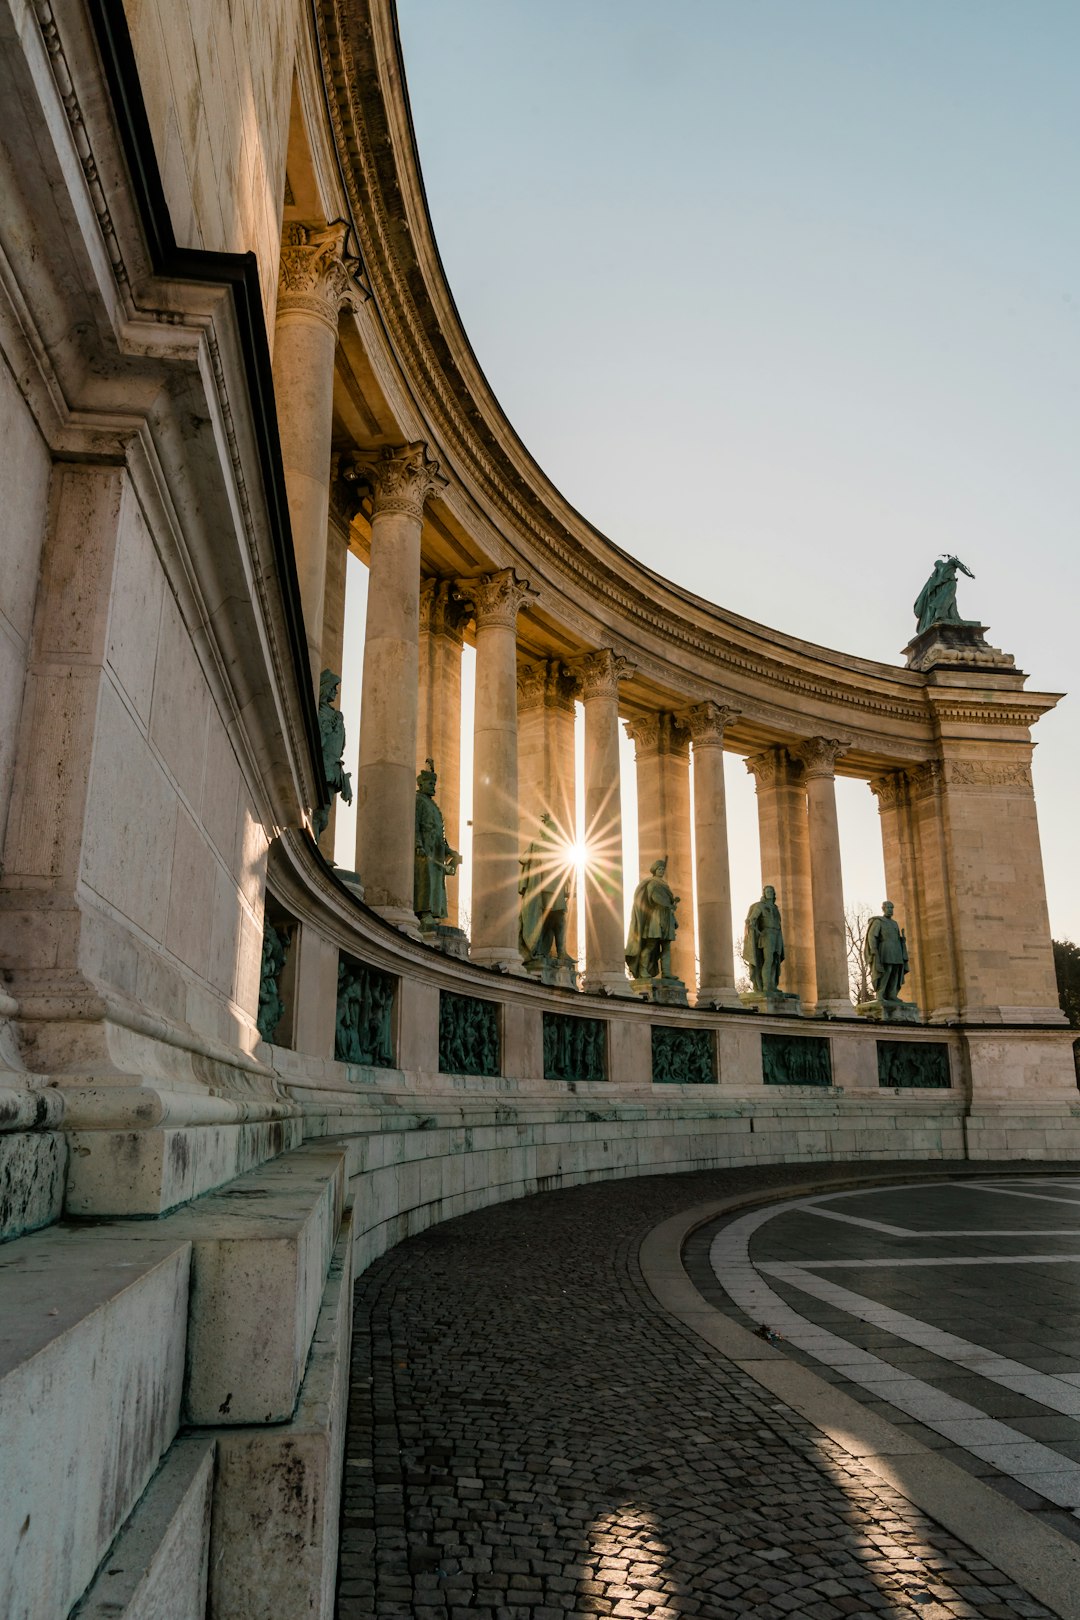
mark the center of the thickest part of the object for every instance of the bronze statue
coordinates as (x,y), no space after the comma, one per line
(763,942)
(936,602)
(545,897)
(332,737)
(886,954)
(434,861)
(652,926)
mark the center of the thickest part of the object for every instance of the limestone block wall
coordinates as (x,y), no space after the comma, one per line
(24,485)
(217,80)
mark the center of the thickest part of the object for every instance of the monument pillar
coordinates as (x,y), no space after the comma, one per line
(662,756)
(546,774)
(496,599)
(716,974)
(401,479)
(785,862)
(818,756)
(893,794)
(599,674)
(438,736)
(315,284)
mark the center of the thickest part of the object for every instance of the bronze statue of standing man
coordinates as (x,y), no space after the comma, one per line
(886,954)
(763,942)
(434,860)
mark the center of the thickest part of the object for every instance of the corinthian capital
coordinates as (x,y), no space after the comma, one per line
(443,611)
(658,734)
(765,767)
(546,683)
(496,598)
(819,756)
(317,273)
(401,478)
(600,672)
(706,722)
(888,790)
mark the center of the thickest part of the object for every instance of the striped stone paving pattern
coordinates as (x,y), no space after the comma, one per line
(952,1310)
(530,1435)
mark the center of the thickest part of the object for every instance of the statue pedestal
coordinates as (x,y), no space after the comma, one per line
(784,1002)
(889,1012)
(960,645)
(664,992)
(451,941)
(560,971)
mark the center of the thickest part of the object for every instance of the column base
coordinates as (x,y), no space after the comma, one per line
(399,917)
(499,957)
(608,984)
(722,996)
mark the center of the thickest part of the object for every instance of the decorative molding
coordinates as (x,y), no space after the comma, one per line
(443,609)
(496,598)
(888,789)
(706,722)
(979,774)
(818,756)
(545,684)
(317,273)
(979,714)
(401,478)
(600,672)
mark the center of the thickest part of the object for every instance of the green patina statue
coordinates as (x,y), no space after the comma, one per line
(936,602)
(545,897)
(886,954)
(763,942)
(434,860)
(652,926)
(275,948)
(332,737)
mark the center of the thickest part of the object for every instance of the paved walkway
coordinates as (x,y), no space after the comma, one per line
(530,1436)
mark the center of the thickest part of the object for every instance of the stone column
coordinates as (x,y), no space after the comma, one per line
(818,756)
(401,479)
(662,756)
(546,776)
(496,599)
(785,861)
(716,970)
(316,283)
(898,848)
(599,674)
(442,621)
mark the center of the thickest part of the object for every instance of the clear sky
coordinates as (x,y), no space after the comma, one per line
(784,295)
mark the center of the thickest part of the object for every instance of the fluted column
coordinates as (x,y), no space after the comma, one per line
(443,613)
(546,775)
(401,479)
(599,674)
(496,599)
(785,862)
(818,756)
(316,283)
(662,757)
(716,959)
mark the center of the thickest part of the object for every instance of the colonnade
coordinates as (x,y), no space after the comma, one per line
(979,948)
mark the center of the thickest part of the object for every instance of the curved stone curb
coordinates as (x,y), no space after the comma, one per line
(1038,1558)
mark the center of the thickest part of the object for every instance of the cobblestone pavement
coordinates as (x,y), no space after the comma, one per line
(530,1436)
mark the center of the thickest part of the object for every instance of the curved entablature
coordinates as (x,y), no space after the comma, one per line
(590,592)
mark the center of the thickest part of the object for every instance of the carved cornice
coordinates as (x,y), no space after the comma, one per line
(443,609)
(818,756)
(545,684)
(658,734)
(496,598)
(600,672)
(401,478)
(706,722)
(317,273)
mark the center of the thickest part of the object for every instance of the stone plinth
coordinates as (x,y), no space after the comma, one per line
(451,941)
(664,992)
(772,1001)
(962,646)
(559,971)
(888,1011)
